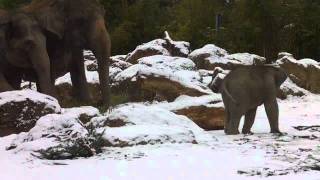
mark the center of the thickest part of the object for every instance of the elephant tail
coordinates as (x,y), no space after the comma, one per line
(225,90)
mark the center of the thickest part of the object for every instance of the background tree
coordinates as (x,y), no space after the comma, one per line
(263,27)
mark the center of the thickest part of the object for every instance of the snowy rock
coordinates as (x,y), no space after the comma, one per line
(161,76)
(88,55)
(211,56)
(146,134)
(155,47)
(91,65)
(118,61)
(20,110)
(206,111)
(305,72)
(247,59)
(177,48)
(58,136)
(289,88)
(64,86)
(283,54)
(84,113)
(166,47)
(138,124)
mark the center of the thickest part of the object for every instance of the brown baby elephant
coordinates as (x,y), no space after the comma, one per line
(246,88)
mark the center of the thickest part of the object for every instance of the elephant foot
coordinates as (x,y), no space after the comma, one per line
(246,132)
(278,133)
(232,132)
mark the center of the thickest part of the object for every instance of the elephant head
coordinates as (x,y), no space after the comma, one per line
(23,46)
(277,73)
(80,25)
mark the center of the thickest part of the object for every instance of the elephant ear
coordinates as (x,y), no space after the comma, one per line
(52,19)
(280,77)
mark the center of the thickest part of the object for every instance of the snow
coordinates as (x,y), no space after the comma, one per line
(92,76)
(183,46)
(289,85)
(177,69)
(246,58)
(77,111)
(147,134)
(118,57)
(282,54)
(23,95)
(156,44)
(303,62)
(184,101)
(215,54)
(175,63)
(152,115)
(218,157)
(308,61)
(156,143)
(52,129)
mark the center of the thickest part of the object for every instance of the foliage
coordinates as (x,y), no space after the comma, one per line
(264,27)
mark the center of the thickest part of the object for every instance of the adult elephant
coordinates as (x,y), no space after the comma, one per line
(23,46)
(70,27)
(246,88)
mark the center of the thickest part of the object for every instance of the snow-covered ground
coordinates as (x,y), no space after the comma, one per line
(216,156)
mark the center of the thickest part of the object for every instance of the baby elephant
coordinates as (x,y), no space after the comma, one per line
(246,88)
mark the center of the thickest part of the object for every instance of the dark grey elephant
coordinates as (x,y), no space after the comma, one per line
(246,88)
(70,27)
(22,46)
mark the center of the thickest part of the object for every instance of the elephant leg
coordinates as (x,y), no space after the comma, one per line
(44,83)
(78,77)
(226,114)
(41,64)
(272,111)
(249,120)
(233,123)
(15,80)
(227,120)
(4,85)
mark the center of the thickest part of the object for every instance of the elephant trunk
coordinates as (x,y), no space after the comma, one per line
(280,77)
(41,64)
(4,85)
(100,44)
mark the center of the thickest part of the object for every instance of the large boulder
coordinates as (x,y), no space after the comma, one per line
(20,110)
(155,47)
(206,111)
(166,47)
(210,56)
(305,72)
(138,124)
(65,93)
(60,136)
(163,77)
(64,86)
(176,48)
